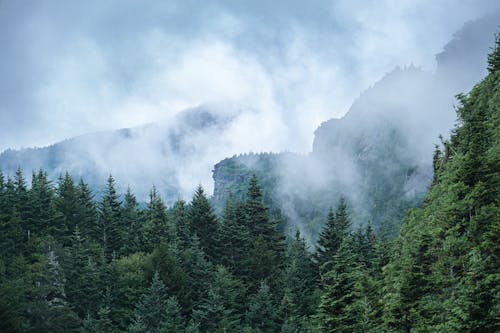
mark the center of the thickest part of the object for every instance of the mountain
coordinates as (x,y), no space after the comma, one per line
(378,155)
(443,275)
(139,156)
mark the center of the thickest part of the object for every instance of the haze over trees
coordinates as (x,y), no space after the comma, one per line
(72,262)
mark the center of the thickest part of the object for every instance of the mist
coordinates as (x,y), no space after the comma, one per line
(276,71)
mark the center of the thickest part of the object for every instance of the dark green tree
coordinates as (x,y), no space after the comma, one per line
(203,222)
(262,312)
(108,232)
(332,235)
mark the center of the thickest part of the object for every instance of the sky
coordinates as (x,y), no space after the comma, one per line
(74,67)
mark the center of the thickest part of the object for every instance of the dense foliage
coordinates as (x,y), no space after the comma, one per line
(73,263)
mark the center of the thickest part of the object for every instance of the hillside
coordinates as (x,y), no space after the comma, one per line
(160,153)
(378,155)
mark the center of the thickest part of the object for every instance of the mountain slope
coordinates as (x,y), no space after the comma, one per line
(161,153)
(444,274)
(378,154)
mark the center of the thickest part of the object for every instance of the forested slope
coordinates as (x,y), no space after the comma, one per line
(73,263)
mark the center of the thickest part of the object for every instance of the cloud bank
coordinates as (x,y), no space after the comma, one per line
(68,68)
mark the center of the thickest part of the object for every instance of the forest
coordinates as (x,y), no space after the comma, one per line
(74,262)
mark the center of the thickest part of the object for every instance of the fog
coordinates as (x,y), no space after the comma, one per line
(276,70)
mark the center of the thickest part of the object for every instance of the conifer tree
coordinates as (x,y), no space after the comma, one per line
(130,225)
(266,248)
(262,312)
(151,312)
(299,280)
(203,222)
(234,239)
(180,220)
(156,228)
(66,204)
(109,216)
(335,312)
(41,215)
(220,311)
(332,235)
(87,211)
(173,318)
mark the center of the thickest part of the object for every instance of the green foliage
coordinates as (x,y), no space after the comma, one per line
(262,312)
(332,235)
(71,263)
(203,221)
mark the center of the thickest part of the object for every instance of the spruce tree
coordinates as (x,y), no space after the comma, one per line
(151,313)
(234,239)
(130,224)
(221,309)
(266,242)
(87,211)
(332,235)
(109,217)
(66,204)
(156,227)
(203,222)
(262,312)
(335,311)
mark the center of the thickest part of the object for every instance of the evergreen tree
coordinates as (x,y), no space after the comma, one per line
(109,217)
(173,319)
(41,218)
(87,212)
(220,311)
(262,314)
(443,275)
(130,225)
(180,220)
(335,311)
(266,248)
(66,204)
(299,281)
(203,222)
(336,229)
(234,239)
(151,312)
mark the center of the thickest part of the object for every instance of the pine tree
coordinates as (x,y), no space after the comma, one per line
(203,222)
(199,272)
(335,311)
(41,214)
(130,226)
(87,212)
(299,280)
(494,56)
(156,228)
(151,311)
(220,311)
(66,204)
(262,314)
(335,230)
(173,319)
(234,239)
(180,220)
(266,248)
(109,217)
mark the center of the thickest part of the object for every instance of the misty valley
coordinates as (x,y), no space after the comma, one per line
(390,223)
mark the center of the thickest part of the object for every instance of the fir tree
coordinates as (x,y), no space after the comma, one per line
(332,235)
(262,314)
(109,216)
(150,313)
(335,313)
(203,222)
